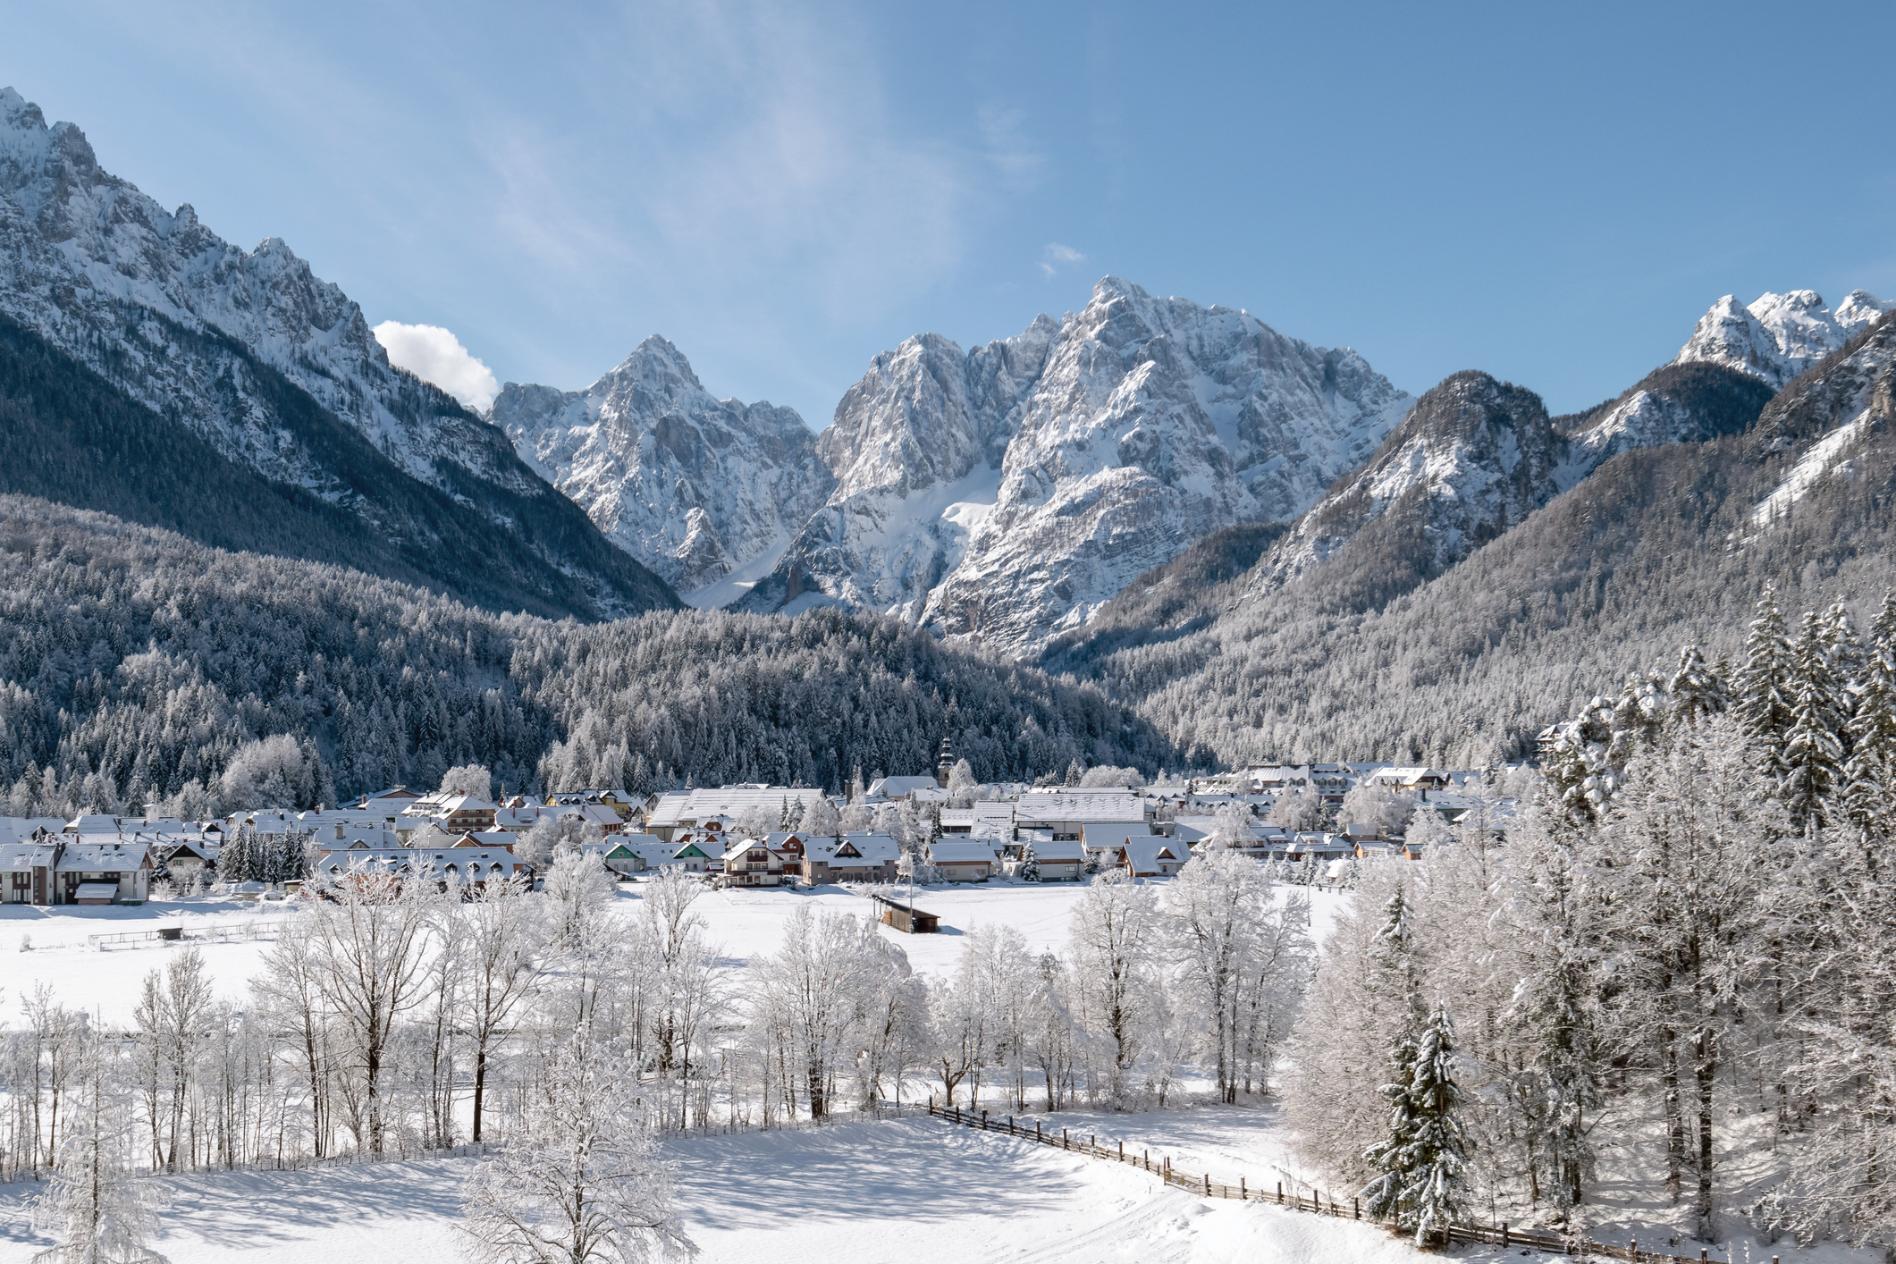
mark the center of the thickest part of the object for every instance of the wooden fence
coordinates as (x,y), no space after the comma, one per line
(1317,1202)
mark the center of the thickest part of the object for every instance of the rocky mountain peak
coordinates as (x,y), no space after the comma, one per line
(1775,337)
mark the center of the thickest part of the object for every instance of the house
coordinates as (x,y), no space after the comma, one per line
(88,870)
(1411,780)
(1067,812)
(184,859)
(444,864)
(1055,860)
(651,852)
(851,858)
(962,859)
(1150,856)
(624,804)
(752,863)
(618,858)
(26,872)
(390,802)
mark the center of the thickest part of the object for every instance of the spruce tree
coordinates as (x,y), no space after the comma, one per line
(1812,758)
(1763,705)
(1697,689)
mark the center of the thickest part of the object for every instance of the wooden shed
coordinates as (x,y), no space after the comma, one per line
(906,917)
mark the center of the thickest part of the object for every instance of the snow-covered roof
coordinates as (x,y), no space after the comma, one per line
(19,829)
(1057,850)
(1073,805)
(20,857)
(899,787)
(100,857)
(1145,852)
(960,851)
(690,807)
(870,850)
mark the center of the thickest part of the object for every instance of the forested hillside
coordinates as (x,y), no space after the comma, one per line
(1658,547)
(137,665)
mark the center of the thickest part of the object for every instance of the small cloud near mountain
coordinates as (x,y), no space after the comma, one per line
(435,355)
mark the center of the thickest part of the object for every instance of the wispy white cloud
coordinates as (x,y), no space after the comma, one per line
(435,355)
(1056,255)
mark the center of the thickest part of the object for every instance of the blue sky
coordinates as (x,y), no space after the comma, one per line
(1551,194)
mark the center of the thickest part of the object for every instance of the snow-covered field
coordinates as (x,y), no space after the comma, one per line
(743,924)
(913,1190)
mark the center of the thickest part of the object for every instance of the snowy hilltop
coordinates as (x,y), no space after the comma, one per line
(691,485)
(1005,492)
(1778,336)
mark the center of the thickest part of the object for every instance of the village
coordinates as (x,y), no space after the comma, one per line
(1310,822)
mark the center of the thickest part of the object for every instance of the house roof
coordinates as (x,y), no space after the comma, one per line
(690,807)
(857,851)
(960,851)
(1072,805)
(899,787)
(1057,850)
(1145,852)
(83,857)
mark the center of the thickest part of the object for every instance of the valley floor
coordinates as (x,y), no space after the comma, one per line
(741,924)
(914,1190)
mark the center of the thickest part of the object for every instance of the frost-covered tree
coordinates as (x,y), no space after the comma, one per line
(1764,703)
(580,1180)
(1240,953)
(94,1208)
(473,780)
(1111,940)
(1811,756)
(1298,808)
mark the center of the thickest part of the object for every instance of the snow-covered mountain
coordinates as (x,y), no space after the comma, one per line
(1830,422)
(1777,336)
(1475,457)
(1006,492)
(695,487)
(274,367)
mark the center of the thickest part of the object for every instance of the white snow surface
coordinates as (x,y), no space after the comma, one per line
(741,924)
(915,1190)
(1822,458)
(1778,336)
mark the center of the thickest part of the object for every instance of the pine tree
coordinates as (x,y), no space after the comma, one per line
(1697,689)
(1423,1164)
(1868,794)
(1762,703)
(1813,745)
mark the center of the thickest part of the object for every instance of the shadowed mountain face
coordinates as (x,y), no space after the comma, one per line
(249,357)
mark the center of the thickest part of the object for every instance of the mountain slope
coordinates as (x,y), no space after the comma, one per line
(1659,545)
(693,486)
(1003,493)
(278,372)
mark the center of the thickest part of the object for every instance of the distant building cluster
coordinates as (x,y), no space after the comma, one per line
(750,835)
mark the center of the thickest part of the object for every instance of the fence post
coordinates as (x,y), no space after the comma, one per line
(1704,1256)
(1208,1184)
(1504,1233)
(984,1126)
(1356,1210)
(1122,1152)
(1280,1193)
(1632,1251)
(1242,1196)
(1010,1125)
(1037,1130)
(1145,1160)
